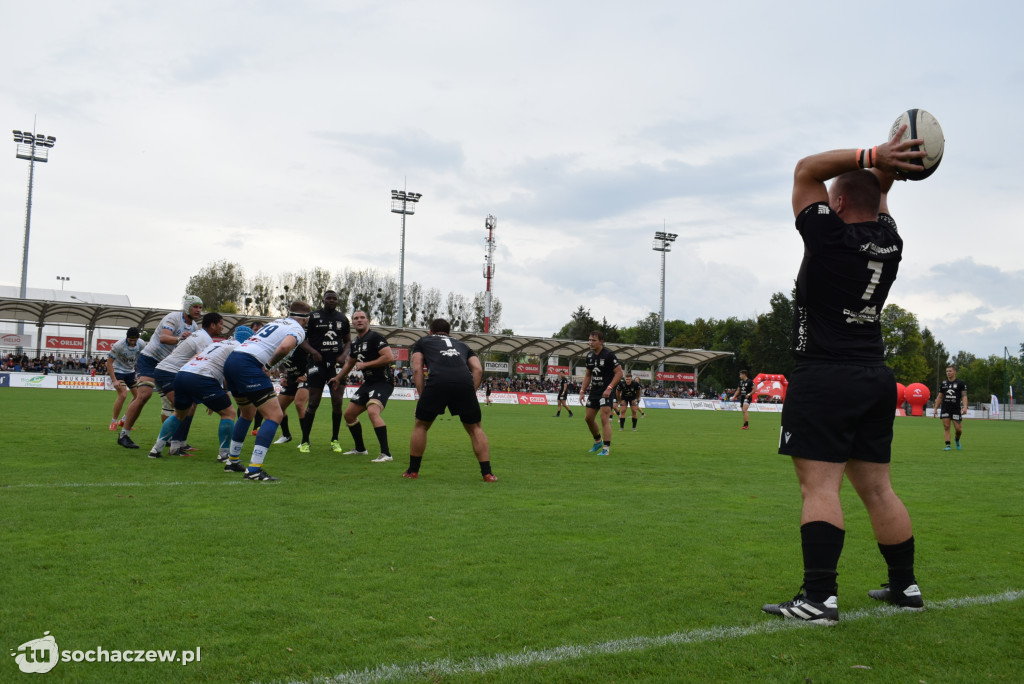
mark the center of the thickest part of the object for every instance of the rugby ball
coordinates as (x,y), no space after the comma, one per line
(921,124)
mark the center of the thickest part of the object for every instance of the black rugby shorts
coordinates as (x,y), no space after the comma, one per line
(836,412)
(460,400)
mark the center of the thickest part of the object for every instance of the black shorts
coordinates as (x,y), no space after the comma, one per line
(951,411)
(596,401)
(292,385)
(744,400)
(460,400)
(317,374)
(563,396)
(378,391)
(836,412)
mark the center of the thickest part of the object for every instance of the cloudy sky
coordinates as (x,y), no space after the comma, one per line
(271,134)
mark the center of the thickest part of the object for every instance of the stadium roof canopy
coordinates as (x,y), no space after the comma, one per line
(42,312)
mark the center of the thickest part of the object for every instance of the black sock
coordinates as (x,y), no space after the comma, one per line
(745,423)
(900,559)
(414,463)
(284,427)
(335,426)
(569,412)
(622,422)
(382,437)
(485,467)
(597,438)
(257,421)
(607,443)
(634,423)
(356,429)
(307,423)
(822,545)
(947,442)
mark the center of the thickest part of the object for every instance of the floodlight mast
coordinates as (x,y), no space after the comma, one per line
(490,223)
(403,203)
(663,243)
(32,147)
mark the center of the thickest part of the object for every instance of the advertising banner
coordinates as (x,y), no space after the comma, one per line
(496,366)
(15,340)
(642,374)
(98,382)
(65,343)
(555,370)
(674,377)
(528,368)
(104,345)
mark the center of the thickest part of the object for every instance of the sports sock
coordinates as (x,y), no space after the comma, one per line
(485,467)
(356,430)
(181,433)
(900,559)
(335,426)
(822,544)
(224,430)
(414,463)
(947,442)
(168,428)
(284,427)
(622,422)
(634,423)
(382,437)
(745,423)
(569,412)
(257,421)
(597,438)
(238,436)
(307,422)
(607,443)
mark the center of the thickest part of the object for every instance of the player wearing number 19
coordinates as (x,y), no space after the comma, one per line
(851,252)
(246,378)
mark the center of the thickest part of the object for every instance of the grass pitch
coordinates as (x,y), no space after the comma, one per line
(648,565)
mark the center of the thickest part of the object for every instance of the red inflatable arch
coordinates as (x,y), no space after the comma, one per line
(917,396)
(770,385)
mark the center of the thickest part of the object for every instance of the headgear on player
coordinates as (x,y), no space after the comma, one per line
(242,333)
(188,301)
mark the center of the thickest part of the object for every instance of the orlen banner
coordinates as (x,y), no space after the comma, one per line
(528,368)
(678,377)
(555,370)
(67,343)
(104,345)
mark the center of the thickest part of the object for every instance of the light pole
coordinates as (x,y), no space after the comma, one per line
(32,147)
(403,203)
(663,243)
(63,279)
(490,223)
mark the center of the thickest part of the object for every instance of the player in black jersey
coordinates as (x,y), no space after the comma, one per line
(455,374)
(328,342)
(953,397)
(602,376)
(628,393)
(563,395)
(373,357)
(743,394)
(293,391)
(851,252)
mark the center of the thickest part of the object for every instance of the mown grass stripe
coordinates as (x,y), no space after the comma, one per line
(486,664)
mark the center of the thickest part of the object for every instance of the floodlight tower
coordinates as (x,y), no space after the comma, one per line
(403,203)
(490,223)
(663,243)
(63,279)
(32,147)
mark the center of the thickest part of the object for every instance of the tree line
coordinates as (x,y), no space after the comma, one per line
(762,345)
(225,288)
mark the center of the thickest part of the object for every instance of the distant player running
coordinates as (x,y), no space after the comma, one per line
(743,394)
(121,361)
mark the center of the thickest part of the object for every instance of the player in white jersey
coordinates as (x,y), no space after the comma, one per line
(121,368)
(167,370)
(246,378)
(200,381)
(173,328)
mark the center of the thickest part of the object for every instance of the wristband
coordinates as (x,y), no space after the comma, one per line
(866,157)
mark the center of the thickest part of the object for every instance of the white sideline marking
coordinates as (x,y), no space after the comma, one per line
(118,484)
(486,664)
